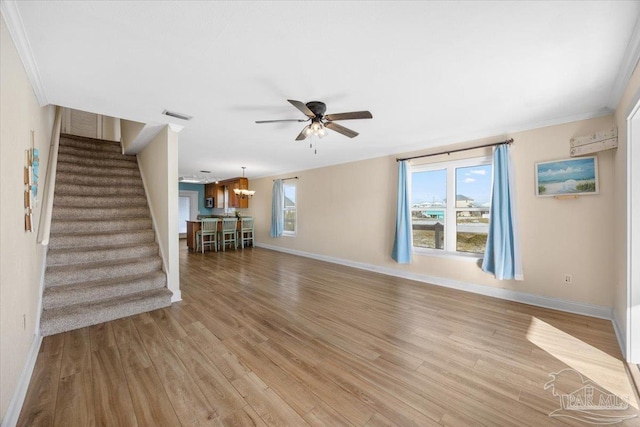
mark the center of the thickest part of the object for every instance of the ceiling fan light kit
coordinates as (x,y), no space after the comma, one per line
(315,111)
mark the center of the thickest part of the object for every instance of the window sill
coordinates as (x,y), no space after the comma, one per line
(459,256)
(288,234)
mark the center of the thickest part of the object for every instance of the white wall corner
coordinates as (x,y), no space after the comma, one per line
(622,342)
(11,14)
(15,406)
(506,294)
(142,139)
(628,65)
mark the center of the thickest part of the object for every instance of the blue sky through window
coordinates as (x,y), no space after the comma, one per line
(429,187)
(473,182)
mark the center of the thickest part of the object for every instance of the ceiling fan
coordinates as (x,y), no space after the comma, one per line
(314,111)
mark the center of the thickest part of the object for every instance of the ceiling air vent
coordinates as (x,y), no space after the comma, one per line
(177,115)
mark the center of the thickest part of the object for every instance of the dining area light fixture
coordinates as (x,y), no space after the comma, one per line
(244,193)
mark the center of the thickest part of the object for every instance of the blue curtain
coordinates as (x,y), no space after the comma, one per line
(502,255)
(277,209)
(402,244)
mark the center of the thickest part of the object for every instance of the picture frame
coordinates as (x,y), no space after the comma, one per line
(576,176)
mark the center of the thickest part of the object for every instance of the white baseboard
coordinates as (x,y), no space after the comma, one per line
(177,296)
(506,294)
(15,406)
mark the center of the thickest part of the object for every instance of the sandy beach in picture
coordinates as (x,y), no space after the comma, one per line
(571,176)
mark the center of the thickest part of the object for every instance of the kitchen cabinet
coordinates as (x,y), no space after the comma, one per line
(234,201)
(216,192)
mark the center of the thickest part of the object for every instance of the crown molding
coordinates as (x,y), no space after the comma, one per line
(11,14)
(629,62)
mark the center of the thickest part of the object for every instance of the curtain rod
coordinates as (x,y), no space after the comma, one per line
(291,177)
(508,141)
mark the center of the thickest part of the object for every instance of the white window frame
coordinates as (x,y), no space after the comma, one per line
(450,222)
(293,233)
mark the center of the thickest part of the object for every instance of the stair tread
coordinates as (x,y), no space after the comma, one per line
(103,233)
(76,316)
(105,303)
(104,282)
(65,136)
(102,264)
(102,248)
(118,219)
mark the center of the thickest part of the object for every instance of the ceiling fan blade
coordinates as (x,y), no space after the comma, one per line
(341,129)
(302,107)
(302,134)
(285,120)
(349,116)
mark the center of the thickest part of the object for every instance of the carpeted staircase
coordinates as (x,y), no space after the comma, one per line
(103,261)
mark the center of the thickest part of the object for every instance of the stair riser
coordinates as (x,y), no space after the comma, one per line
(73,295)
(107,254)
(83,274)
(60,212)
(120,181)
(90,145)
(85,153)
(74,226)
(71,241)
(90,190)
(99,202)
(98,162)
(96,170)
(53,325)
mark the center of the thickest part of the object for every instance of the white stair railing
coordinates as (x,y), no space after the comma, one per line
(44,227)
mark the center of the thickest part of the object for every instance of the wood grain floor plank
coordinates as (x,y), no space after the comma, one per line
(111,397)
(266,338)
(74,405)
(102,336)
(272,409)
(40,402)
(214,385)
(76,356)
(150,401)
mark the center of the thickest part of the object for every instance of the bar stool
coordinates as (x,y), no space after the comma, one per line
(208,228)
(246,231)
(229,232)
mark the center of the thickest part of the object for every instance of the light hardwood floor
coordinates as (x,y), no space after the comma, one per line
(265,338)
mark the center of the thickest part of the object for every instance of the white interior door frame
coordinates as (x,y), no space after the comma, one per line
(193,195)
(193,204)
(633,236)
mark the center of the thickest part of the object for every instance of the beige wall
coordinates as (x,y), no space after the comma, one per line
(159,168)
(22,258)
(348,212)
(629,98)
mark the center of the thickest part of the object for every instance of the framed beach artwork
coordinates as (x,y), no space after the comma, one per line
(568,177)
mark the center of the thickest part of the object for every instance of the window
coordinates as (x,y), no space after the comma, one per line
(290,214)
(441,225)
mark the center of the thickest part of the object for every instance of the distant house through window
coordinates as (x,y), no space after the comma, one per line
(451,227)
(290,211)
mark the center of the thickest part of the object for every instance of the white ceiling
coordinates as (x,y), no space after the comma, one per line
(431,73)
